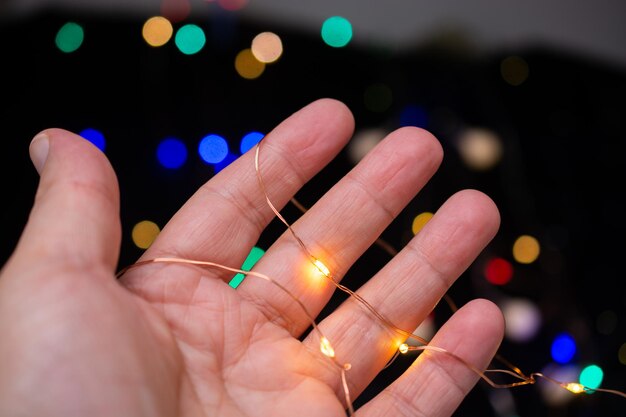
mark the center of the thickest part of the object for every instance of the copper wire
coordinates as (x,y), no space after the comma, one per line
(513,371)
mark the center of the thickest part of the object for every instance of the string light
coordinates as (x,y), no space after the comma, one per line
(574,387)
(321,267)
(326,348)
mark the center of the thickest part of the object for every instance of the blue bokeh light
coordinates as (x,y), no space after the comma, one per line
(250,140)
(94,136)
(172,153)
(563,348)
(413,115)
(213,149)
(225,162)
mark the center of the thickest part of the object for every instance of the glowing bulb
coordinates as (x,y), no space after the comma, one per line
(575,387)
(321,267)
(326,348)
(404,348)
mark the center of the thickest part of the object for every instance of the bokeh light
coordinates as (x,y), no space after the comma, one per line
(526,249)
(176,10)
(420,221)
(267,47)
(233,5)
(252,258)
(248,66)
(554,394)
(606,323)
(249,141)
(157,31)
(364,141)
(70,37)
(190,39)
(94,136)
(213,149)
(172,153)
(621,354)
(514,70)
(230,158)
(480,149)
(523,319)
(378,97)
(563,348)
(337,31)
(591,376)
(144,233)
(413,115)
(498,271)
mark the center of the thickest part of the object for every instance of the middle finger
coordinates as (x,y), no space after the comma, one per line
(341,226)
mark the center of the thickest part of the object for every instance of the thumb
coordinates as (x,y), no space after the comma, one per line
(75,218)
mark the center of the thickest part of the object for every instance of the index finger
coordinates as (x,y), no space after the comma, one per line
(225,217)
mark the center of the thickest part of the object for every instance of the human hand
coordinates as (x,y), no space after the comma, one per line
(176,340)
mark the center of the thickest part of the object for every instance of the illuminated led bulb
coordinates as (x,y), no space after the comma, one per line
(575,387)
(321,267)
(326,348)
(404,348)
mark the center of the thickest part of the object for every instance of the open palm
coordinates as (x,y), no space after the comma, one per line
(176,340)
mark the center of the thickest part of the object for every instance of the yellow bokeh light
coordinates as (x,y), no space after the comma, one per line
(248,66)
(404,348)
(326,348)
(267,47)
(526,249)
(144,233)
(514,70)
(420,221)
(480,149)
(157,31)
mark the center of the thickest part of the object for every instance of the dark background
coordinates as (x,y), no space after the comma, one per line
(561,177)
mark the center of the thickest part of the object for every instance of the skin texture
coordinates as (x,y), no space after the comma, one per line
(176,340)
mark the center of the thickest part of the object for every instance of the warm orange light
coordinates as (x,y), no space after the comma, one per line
(321,268)
(404,348)
(326,348)
(248,66)
(157,31)
(575,387)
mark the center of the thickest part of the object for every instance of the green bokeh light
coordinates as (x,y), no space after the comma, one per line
(190,39)
(70,37)
(337,31)
(591,376)
(253,257)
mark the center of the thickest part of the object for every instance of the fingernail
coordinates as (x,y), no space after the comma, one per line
(39,151)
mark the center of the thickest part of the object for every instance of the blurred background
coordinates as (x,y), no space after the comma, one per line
(527,99)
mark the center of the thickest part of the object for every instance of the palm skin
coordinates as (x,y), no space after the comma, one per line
(176,340)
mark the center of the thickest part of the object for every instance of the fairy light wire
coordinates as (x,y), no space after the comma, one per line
(325,346)
(514,370)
